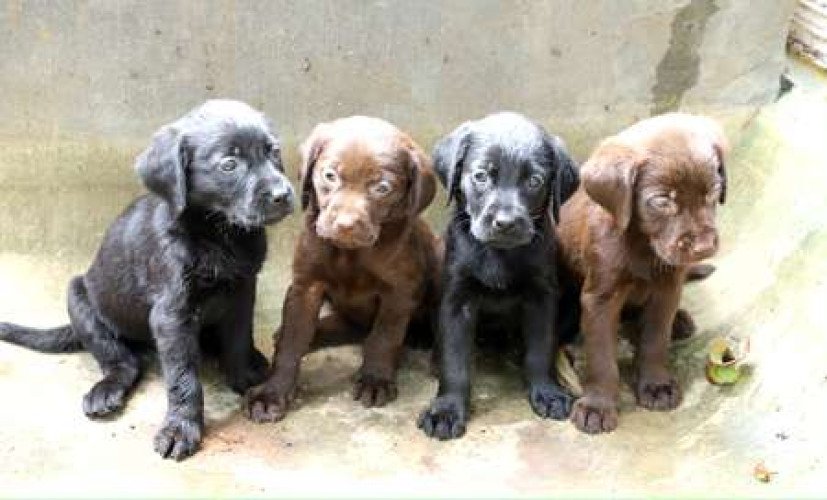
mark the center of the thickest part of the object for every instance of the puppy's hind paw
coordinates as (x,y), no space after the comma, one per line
(104,399)
(445,419)
(178,438)
(658,395)
(683,326)
(373,391)
(549,401)
(265,403)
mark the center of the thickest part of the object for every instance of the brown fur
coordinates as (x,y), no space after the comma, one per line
(365,253)
(642,218)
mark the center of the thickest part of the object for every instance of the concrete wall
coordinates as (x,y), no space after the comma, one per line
(109,70)
(83,84)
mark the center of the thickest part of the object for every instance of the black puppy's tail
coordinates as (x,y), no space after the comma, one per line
(52,340)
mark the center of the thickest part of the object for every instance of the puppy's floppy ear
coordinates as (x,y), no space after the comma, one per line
(162,167)
(421,183)
(311,149)
(449,153)
(609,179)
(565,176)
(710,130)
(719,153)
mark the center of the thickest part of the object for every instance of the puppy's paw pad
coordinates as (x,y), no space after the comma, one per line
(178,438)
(264,403)
(594,414)
(104,399)
(683,326)
(445,419)
(374,391)
(658,395)
(549,401)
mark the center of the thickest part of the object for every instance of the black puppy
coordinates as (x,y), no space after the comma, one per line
(508,176)
(178,267)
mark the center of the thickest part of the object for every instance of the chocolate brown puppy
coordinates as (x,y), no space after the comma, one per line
(364,251)
(644,216)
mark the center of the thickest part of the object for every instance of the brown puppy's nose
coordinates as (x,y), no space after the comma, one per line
(345,223)
(705,245)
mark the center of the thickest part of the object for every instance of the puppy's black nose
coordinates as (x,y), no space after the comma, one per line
(278,197)
(504,223)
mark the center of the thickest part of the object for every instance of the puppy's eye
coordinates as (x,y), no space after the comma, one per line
(330,176)
(381,188)
(535,181)
(480,176)
(663,204)
(228,165)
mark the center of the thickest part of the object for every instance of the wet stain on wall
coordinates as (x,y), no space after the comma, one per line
(678,70)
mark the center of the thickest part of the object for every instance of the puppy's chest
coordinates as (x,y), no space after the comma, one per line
(346,274)
(649,278)
(215,269)
(496,274)
(642,290)
(493,274)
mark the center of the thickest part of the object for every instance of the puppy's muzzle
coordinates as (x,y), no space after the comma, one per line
(347,229)
(690,248)
(505,224)
(698,247)
(277,202)
(505,228)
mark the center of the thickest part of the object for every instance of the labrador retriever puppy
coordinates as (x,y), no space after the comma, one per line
(364,251)
(508,178)
(635,231)
(179,265)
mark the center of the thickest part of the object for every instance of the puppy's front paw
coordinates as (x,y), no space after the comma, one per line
(658,393)
(371,390)
(267,403)
(594,413)
(178,438)
(104,399)
(549,401)
(252,373)
(445,419)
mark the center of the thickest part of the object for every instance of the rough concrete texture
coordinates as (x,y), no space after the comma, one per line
(85,83)
(113,70)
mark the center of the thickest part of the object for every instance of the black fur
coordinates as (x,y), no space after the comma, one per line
(499,280)
(178,268)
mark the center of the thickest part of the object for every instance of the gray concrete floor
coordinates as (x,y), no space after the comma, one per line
(770,286)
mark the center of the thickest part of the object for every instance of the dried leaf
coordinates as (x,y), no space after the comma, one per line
(566,374)
(723,366)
